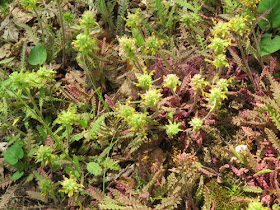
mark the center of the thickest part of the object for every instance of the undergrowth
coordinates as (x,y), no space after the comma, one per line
(139,105)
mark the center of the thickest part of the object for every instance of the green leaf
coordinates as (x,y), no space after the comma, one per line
(273,16)
(138,36)
(268,45)
(17,175)
(13,154)
(94,168)
(37,55)
(8,60)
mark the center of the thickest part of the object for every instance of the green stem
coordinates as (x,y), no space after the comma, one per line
(96,90)
(167,63)
(68,127)
(112,143)
(41,25)
(63,33)
(34,103)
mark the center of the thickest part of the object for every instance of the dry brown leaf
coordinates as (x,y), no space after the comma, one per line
(20,16)
(5,51)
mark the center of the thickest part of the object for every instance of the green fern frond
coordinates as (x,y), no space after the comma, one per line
(252,189)
(136,143)
(95,129)
(275,87)
(273,138)
(22,55)
(123,6)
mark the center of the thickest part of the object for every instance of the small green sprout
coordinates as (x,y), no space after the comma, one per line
(190,19)
(151,97)
(70,185)
(145,80)
(171,81)
(127,47)
(44,155)
(68,17)
(173,128)
(196,123)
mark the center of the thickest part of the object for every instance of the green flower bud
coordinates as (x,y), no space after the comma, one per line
(84,44)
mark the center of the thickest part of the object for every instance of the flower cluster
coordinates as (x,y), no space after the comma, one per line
(70,185)
(133,20)
(68,117)
(171,81)
(127,47)
(30,80)
(145,80)
(44,155)
(152,44)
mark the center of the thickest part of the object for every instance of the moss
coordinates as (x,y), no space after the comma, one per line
(222,197)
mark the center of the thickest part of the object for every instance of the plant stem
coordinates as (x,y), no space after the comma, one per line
(41,26)
(96,90)
(63,33)
(168,64)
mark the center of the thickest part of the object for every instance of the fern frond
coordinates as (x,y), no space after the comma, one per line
(169,202)
(8,195)
(22,55)
(95,193)
(95,128)
(273,138)
(123,6)
(275,87)
(5,182)
(252,189)
(136,143)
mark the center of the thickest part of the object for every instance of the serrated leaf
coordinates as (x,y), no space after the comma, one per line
(37,55)
(264,171)
(94,168)
(13,154)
